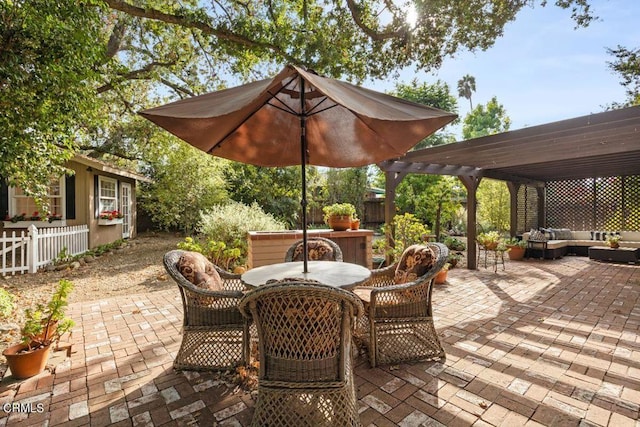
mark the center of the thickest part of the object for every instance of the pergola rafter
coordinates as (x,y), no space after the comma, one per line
(596,145)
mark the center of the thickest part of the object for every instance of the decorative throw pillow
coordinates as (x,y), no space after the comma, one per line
(415,261)
(549,233)
(537,236)
(197,269)
(318,250)
(599,235)
(563,233)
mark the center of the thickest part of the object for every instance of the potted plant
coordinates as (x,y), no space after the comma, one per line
(355,222)
(613,241)
(441,277)
(339,215)
(453,259)
(516,248)
(489,240)
(43,326)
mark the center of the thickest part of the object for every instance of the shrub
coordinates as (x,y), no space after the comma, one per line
(217,252)
(454,244)
(407,230)
(230,223)
(7,303)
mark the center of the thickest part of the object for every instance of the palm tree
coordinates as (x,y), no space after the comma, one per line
(466,87)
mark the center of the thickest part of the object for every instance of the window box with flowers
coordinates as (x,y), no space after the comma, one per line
(110,218)
(40,221)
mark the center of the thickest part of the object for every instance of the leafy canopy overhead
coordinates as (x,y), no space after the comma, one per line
(73,74)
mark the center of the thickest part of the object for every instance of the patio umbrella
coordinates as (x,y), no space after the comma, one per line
(300,118)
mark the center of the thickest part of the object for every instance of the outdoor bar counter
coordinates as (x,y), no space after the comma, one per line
(270,247)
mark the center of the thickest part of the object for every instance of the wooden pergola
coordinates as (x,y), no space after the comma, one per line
(598,145)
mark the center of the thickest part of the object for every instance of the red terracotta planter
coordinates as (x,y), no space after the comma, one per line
(25,365)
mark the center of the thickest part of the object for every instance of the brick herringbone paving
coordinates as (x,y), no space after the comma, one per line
(542,343)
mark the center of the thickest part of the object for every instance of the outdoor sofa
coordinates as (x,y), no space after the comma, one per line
(563,241)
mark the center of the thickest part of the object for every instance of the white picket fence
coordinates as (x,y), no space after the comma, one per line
(27,251)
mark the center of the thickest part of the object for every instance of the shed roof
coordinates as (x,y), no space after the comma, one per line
(602,144)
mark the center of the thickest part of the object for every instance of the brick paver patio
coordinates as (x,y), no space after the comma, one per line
(542,343)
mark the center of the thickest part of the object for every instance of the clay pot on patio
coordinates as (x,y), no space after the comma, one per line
(340,222)
(441,277)
(26,364)
(355,224)
(516,253)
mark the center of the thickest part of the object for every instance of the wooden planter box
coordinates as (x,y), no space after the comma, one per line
(270,247)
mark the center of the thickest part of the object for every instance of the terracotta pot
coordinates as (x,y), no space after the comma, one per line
(516,253)
(614,245)
(26,365)
(491,246)
(340,222)
(355,224)
(441,277)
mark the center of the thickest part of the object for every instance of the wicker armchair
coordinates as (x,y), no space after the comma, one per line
(215,336)
(294,253)
(304,334)
(397,325)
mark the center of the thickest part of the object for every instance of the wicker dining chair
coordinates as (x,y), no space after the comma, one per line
(397,325)
(304,343)
(215,336)
(318,248)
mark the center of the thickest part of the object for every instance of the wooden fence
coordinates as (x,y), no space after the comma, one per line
(28,251)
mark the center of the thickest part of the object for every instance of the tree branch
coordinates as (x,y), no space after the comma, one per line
(184,21)
(400,33)
(136,74)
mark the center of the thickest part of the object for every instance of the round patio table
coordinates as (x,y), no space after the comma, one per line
(338,274)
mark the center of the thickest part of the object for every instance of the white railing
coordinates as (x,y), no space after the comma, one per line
(26,252)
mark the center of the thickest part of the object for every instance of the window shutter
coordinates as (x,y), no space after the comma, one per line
(70,196)
(96,197)
(4,198)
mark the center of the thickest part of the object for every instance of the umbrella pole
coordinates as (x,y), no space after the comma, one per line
(303,155)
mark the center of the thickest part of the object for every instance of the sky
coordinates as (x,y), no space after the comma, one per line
(543,69)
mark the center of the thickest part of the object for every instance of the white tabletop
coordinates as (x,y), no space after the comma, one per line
(339,274)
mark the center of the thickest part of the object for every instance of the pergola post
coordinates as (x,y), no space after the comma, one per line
(471,183)
(513,219)
(392,179)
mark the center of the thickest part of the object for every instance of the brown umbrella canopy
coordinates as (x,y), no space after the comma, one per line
(260,123)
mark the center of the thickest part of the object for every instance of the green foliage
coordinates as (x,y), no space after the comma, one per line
(407,230)
(49,53)
(229,223)
(186,182)
(217,252)
(62,257)
(347,185)
(277,190)
(494,205)
(7,303)
(482,121)
(47,323)
(436,95)
(627,65)
(338,209)
(466,88)
(489,238)
(454,244)
(512,241)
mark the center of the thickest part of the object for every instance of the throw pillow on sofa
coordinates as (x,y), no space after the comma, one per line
(537,236)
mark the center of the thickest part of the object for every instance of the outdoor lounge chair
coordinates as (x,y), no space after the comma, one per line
(215,336)
(304,334)
(397,325)
(319,249)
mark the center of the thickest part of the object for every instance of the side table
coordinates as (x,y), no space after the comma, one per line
(536,245)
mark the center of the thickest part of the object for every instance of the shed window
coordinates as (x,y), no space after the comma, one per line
(21,204)
(108,194)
